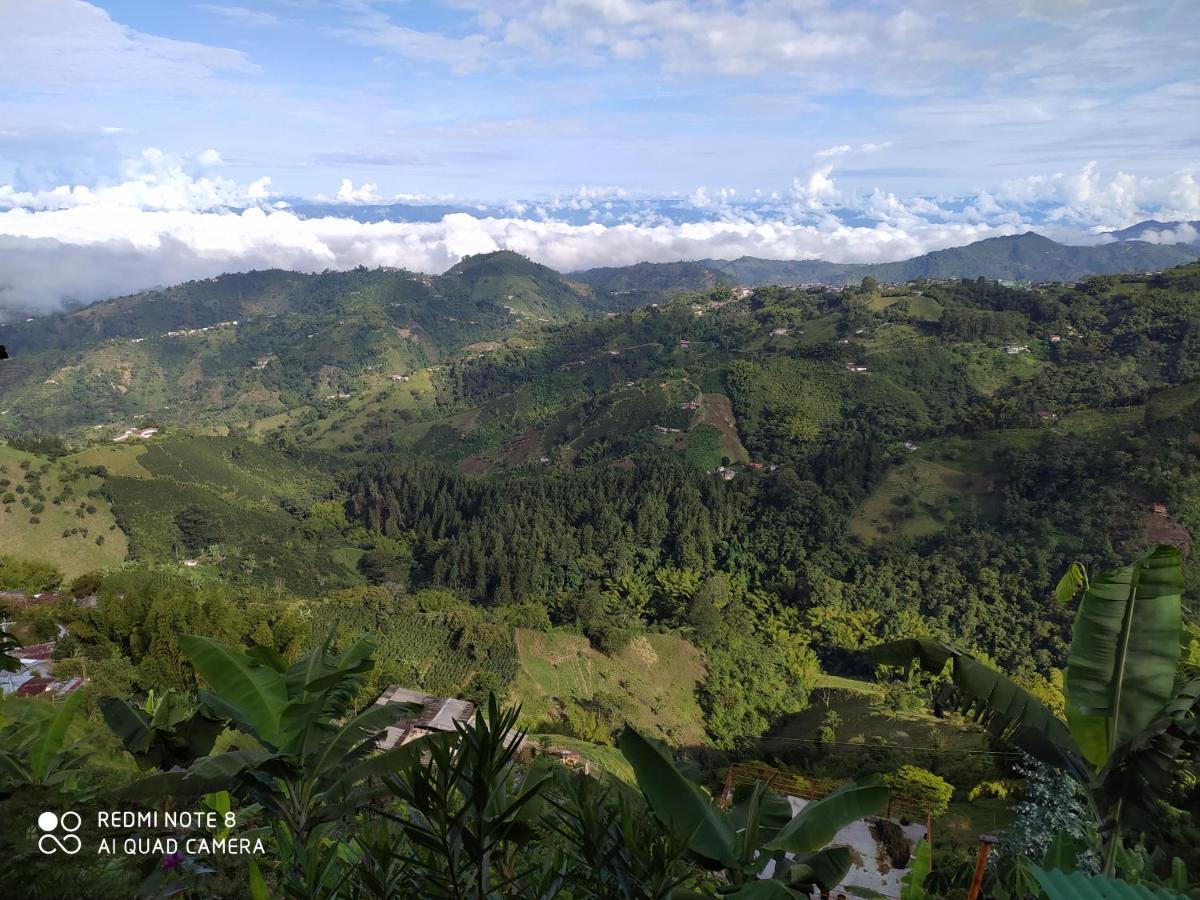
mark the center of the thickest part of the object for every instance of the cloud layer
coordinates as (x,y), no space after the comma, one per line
(173,219)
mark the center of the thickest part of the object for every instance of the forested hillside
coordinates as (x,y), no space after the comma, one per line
(717,521)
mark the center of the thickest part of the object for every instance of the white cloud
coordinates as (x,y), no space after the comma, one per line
(154,181)
(348,193)
(72,45)
(162,225)
(818,191)
(1087,197)
(828,152)
(90,252)
(843,149)
(240,15)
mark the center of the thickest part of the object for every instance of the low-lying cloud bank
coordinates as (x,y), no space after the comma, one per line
(163,225)
(86,254)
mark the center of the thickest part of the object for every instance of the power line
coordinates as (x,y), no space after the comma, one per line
(858,746)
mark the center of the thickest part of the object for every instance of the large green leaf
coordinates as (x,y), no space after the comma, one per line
(758,815)
(1124,652)
(242,688)
(913,884)
(679,803)
(1077,886)
(385,763)
(1062,852)
(815,825)
(206,775)
(766,889)
(1068,586)
(130,724)
(367,724)
(931,654)
(1008,710)
(826,867)
(50,740)
(1143,773)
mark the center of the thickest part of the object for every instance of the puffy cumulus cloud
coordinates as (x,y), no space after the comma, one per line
(1088,197)
(348,193)
(817,191)
(154,181)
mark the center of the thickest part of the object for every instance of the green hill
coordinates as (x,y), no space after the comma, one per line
(244,347)
(1020,257)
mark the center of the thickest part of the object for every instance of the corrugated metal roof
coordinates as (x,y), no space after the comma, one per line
(1059,885)
(436,714)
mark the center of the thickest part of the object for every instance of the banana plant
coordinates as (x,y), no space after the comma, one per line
(8,646)
(309,762)
(759,833)
(34,748)
(168,731)
(1127,721)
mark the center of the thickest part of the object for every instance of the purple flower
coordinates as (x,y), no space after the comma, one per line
(172,860)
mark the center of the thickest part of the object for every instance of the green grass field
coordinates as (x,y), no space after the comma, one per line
(921,497)
(78,534)
(607,759)
(656,673)
(380,406)
(118,459)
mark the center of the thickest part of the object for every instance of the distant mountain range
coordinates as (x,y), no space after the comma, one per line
(1022,257)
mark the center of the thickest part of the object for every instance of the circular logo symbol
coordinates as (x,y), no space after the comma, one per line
(50,843)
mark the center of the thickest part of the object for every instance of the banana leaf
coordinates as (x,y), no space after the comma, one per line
(204,776)
(1062,853)
(1124,652)
(1143,773)
(815,825)
(679,803)
(913,884)
(1010,712)
(1058,885)
(243,689)
(50,741)
(758,815)
(825,868)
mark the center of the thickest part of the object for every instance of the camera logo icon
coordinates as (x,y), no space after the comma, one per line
(50,824)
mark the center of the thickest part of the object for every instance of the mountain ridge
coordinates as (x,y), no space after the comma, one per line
(1029,256)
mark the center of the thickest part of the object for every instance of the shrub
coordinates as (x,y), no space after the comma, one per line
(919,787)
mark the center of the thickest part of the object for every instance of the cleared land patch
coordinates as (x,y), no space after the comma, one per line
(921,497)
(656,676)
(73,529)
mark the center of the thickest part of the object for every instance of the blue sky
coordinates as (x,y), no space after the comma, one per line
(918,123)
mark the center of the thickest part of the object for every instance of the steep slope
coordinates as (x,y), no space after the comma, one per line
(237,348)
(627,287)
